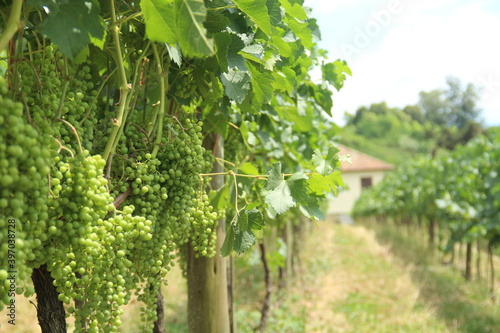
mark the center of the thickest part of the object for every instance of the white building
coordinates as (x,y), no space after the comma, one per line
(364,172)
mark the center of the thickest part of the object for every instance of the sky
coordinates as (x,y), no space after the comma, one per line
(397,48)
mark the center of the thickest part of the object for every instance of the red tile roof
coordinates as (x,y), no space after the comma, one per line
(361,161)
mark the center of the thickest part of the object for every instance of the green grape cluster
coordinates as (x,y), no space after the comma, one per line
(91,246)
(25,161)
(167,190)
(148,194)
(100,237)
(237,150)
(185,87)
(53,91)
(191,218)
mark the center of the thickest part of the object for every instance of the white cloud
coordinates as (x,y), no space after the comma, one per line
(422,45)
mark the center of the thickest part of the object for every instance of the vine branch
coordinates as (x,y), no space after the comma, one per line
(124,87)
(13,23)
(163,89)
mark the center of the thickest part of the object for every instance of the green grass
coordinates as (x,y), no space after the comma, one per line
(362,288)
(463,306)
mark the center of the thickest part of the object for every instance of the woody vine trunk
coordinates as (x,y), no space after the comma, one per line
(208,309)
(50,310)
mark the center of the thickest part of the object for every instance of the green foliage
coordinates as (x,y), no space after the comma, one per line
(335,73)
(239,234)
(325,165)
(451,107)
(124,104)
(284,194)
(160,18)
(254,10)
(191,35)
(78,19)
(443,118)
(278,195)
(388,133)
(460,189)
(178,22)
(454,110)
(323,184)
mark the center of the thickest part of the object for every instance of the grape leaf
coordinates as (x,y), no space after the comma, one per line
(99,41)
(280,198)
(278,42)
(249,169)
(79,20)
(178,22)
(254,9)
(289,79)
(253,205)
(311,209)
(325,165)
(281,83)
(309,204)
(275,176)
(301,30)
(228,46)
(274,10)
(255,219)
(294,10)
(192,35)
(335,73)
(301,123)
(175,54)
(254,52)
(320,184)
(270,60)
(312,23)
(216,121)
(261,84)
(241,222)
(160,18)
(216,22)
(219,198)
(236,84)
(239,236)
(228,244)
(323,98)
(249,138)
(278,195)
(244,241)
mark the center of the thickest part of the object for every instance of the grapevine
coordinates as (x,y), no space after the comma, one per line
(110,115)
(456,192)
(24,158)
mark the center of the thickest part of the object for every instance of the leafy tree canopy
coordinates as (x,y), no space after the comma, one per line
(442,118)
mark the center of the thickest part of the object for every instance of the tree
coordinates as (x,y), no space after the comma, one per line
(450,115)
(376,128)
(462,103)
(435,107)
(415,112)
(454,110)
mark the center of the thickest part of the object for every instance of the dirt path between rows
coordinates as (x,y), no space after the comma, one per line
(359,286)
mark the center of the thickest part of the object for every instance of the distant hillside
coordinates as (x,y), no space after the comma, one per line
(387,133)
(442,119)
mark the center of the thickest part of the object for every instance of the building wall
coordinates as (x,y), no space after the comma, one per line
(342,205)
